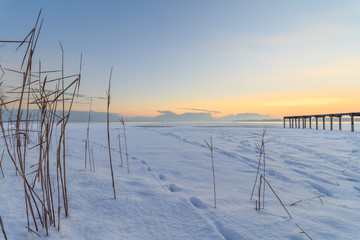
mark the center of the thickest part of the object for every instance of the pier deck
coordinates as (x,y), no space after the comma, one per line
(301,121)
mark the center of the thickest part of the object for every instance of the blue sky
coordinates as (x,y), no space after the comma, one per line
(269,57)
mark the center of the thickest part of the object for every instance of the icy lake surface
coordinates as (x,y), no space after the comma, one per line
(169,191)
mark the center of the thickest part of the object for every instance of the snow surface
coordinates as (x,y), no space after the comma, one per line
(169,193)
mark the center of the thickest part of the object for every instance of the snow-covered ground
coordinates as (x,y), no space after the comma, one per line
(169,193)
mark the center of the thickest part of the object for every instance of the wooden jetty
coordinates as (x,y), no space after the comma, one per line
(301,121)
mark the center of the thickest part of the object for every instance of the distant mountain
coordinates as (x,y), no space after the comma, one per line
(246,117)
(82,116)
(168,116)
(164,116)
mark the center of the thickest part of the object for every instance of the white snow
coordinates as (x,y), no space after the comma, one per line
(169,193)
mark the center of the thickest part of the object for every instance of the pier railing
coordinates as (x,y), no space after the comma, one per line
(301,121)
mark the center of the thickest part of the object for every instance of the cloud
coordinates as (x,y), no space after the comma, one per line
(200,110)
(166,112)
(77,95)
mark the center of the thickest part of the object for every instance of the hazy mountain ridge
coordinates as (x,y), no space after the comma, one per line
(165,116)
(168,116)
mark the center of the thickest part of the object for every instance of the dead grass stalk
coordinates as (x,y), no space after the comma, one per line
(210,146)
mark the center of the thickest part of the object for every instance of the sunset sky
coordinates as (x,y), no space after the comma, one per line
(224,57)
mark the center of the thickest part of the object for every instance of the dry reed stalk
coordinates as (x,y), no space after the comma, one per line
(307,200)
(264,161)
(302,231)
(87,141)
(32,231)
(63,126)
(259,195)
(92,156)
(257,174)
(2,156)
(265,181)
(59,176)
(126,151)
(64,122)
(213,167)
(108,131)
(121,158)
(2,73)
(3,228)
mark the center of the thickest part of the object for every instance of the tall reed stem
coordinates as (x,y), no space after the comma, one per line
(108,131)
(126,151)
(213,167)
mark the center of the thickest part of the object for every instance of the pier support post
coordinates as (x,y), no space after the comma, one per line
(323,123)
(331,123)
(310,122)
(317,123)
(340,123)
(352,123)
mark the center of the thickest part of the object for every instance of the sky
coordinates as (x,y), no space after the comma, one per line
(223,57)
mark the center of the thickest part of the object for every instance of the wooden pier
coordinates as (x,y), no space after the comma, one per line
(301,121)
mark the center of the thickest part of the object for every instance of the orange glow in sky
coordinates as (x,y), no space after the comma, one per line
(224,57)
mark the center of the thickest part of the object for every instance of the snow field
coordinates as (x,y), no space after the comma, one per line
(169,194)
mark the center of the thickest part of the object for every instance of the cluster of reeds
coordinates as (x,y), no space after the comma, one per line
(260,146)
(211,147)
(40,105)
(261,181)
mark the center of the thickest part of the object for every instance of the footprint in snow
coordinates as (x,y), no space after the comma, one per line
(173,188)
(162,177)
(149,169)
(143,162)
(228,233)
(197,203)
